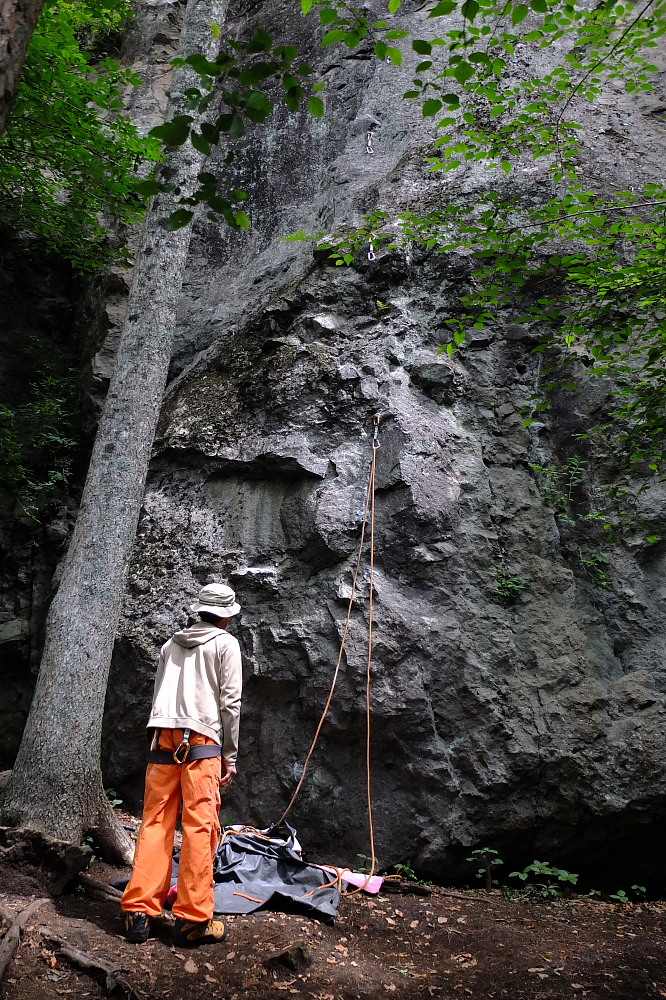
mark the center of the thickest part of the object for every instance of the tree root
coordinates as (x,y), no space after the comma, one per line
(405,888)
(100,889)
(470,899)
(105,973)
(12,937)
(113,839)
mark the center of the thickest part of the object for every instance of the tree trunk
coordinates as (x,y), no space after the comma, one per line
(56,785)
(18,19)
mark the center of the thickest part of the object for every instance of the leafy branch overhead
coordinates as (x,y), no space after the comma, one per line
(69,158)
(237,81)
(584,270)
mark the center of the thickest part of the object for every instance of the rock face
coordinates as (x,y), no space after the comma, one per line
(518,681)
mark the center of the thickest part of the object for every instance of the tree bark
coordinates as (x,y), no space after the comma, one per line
(56,783)
(18,19)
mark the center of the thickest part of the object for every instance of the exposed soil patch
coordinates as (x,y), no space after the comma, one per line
(439,946)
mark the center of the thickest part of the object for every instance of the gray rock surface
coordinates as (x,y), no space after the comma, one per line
(534,725)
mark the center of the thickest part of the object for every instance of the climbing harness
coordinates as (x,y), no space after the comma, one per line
(184,753)
(369,147)
(371,249)
(369,513)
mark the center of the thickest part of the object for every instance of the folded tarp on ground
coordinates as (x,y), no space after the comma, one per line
(264,868)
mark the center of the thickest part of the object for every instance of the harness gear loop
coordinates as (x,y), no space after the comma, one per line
(369,148)
(182,751)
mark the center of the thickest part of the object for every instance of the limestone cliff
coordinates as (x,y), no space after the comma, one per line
(533,723)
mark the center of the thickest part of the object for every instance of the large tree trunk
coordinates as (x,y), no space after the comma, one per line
(56,784)
(18,19)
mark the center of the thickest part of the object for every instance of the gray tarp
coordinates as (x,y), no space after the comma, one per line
(269,868)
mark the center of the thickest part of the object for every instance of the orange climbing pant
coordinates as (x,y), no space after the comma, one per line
(197,787)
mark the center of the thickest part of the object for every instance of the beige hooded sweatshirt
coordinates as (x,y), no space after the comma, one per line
(198,686)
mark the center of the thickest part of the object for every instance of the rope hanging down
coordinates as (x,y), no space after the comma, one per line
(368,512)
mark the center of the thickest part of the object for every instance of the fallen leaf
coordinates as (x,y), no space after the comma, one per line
(210,979)
(414,924)
(390,921)
(231,954)
(191,967)
(442,920)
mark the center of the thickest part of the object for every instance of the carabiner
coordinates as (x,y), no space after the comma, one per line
(182,751)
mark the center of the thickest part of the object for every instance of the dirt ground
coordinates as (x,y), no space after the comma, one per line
(448,944)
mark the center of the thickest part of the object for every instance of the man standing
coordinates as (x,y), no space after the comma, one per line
(194,718)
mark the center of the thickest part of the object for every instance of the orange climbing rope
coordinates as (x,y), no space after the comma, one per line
(369,510)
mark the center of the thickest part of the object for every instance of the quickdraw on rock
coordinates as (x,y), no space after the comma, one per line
(369,148)
(371,250)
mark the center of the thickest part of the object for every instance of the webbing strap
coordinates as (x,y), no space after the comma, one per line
(195,753)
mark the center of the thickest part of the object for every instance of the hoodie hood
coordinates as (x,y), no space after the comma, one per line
(196,635)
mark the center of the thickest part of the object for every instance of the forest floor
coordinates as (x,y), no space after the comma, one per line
(448,944)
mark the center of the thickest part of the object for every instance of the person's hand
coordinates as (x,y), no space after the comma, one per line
(227,778)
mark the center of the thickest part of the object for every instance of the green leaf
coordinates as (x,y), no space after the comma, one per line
(202,66)
(236,129)
(541,6)
(258,73)
(422,47)
(173,133)
(316,106)
(431,107)
(463,72)
(215,28)
(442,9)
(242,220)
(181,217)
(470,9)
(261,42)
(334,36)
(380,50)
(257,106)
(286,52)
(200,143)
(519,13)
(148,188)
(394,6)
(452,100)
(395,55)
(327,16)
(307,5)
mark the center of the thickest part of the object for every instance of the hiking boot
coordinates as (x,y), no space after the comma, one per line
(187,933)
(137,927)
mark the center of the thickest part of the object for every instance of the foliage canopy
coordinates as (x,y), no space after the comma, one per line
(584,269)
(70,155)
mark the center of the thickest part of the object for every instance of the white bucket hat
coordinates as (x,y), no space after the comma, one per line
(218,600)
